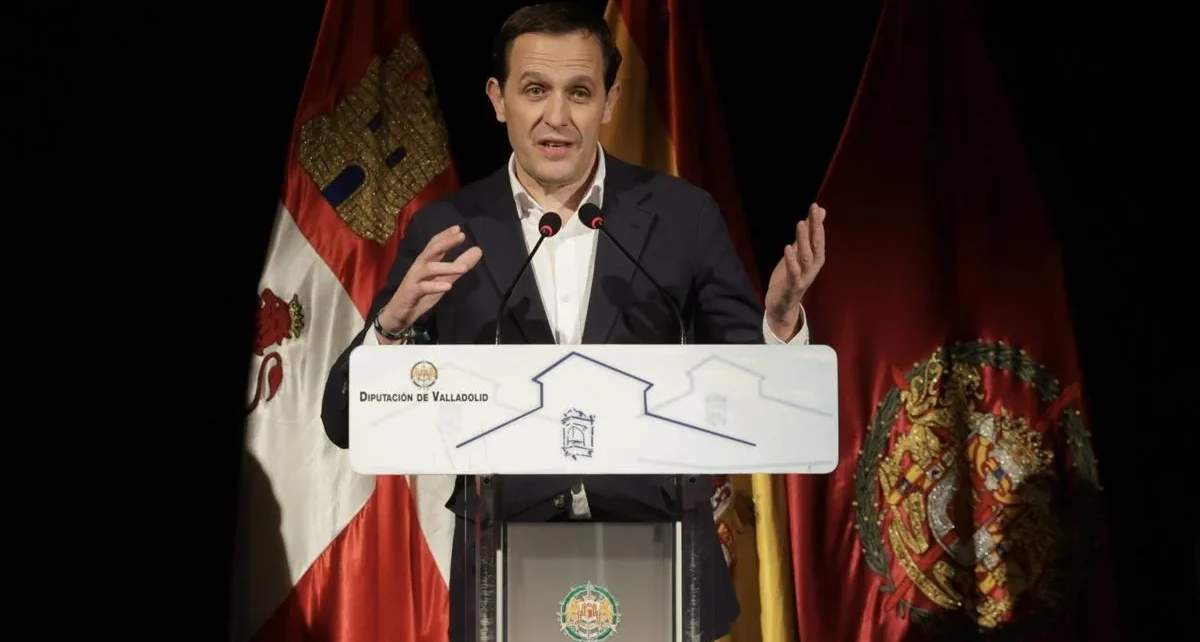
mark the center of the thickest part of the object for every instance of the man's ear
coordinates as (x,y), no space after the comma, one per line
(495,95)
(610,102)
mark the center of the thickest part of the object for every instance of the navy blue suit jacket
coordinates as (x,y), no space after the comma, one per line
(676,231)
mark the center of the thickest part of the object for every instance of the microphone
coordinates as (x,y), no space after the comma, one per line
(548,226)
(590,216)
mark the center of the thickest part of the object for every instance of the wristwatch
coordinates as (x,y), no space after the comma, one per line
(404,336)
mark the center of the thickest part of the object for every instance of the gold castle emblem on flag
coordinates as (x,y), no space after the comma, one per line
(381,145)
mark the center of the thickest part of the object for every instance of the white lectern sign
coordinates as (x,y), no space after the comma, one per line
(593,409)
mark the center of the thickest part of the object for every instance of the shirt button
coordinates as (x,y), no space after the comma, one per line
(567,298)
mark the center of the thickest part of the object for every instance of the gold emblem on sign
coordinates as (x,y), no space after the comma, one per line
(381,145)
(962,453)
(423,374)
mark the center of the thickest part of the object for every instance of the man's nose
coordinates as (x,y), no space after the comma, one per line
(558,111)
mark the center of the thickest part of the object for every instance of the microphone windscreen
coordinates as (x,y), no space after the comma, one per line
(589,215)
(550,224)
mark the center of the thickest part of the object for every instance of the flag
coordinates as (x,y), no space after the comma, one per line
(669,116)
(324,553)
(966,503)
(669,119)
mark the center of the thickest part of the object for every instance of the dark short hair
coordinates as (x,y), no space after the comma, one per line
(555,18)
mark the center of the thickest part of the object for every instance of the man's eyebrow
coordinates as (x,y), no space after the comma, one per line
(534,76)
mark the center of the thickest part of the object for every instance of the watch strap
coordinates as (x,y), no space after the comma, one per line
(403,336)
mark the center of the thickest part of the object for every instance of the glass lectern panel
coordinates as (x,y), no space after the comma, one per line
(583,580)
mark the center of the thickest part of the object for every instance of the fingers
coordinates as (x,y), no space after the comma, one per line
(441,268)
(469,258)
(448,272)
(791,261)
(803,243)
(806,255)
(817,232)
(434,287)
(441,243)
(430,277)
(810,237)
(460,266)
(429,264)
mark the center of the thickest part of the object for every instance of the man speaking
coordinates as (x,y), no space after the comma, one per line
(553,87)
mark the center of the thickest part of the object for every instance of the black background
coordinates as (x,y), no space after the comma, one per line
(147,172)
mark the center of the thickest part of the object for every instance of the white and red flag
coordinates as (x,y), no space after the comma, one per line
(323,553)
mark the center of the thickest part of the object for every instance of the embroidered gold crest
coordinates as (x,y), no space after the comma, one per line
(381,145)
(958,484)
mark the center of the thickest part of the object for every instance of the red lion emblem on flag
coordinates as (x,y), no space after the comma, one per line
(277,321)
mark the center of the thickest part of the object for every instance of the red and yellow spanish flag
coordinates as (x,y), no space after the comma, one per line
(966,505)
(669,119)
(323,553)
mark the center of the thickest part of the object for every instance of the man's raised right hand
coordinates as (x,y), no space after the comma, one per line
(428,279)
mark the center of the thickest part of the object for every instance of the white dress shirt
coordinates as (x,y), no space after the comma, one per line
(563,267)
(563,271)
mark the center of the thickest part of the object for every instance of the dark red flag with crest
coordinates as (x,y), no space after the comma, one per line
(966,505)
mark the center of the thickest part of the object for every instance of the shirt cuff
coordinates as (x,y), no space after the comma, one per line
(801,337)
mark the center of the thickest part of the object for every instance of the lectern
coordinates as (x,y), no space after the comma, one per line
(507,416)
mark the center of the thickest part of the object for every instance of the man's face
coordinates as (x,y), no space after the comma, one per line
(553,104)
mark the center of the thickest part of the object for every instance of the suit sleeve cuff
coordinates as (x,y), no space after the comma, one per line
(801,338)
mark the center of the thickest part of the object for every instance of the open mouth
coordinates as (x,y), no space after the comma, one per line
(554,145)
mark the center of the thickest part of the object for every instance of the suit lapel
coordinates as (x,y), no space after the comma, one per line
(630,225)
(497,231)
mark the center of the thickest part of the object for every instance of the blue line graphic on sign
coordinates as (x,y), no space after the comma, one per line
(645,403)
